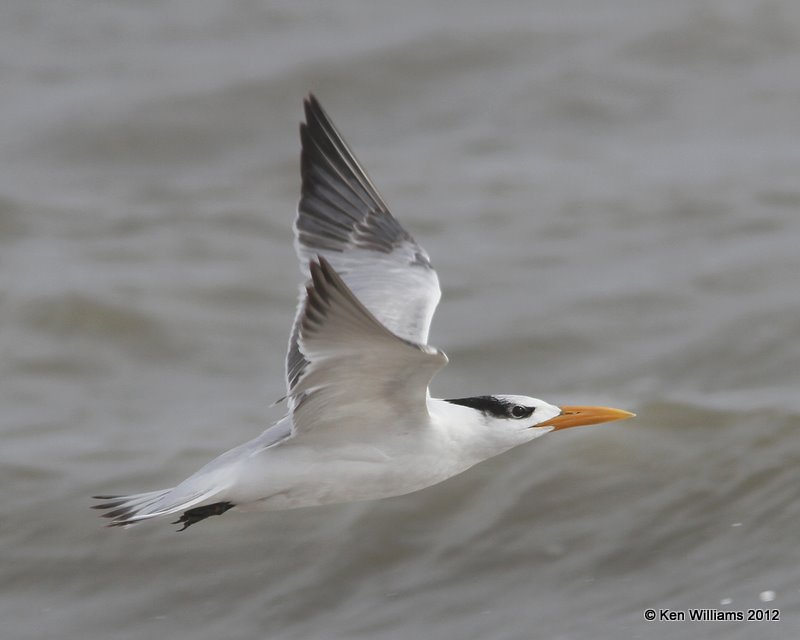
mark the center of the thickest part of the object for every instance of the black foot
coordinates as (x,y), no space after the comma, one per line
(192,516)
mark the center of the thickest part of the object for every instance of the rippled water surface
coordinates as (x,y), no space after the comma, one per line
(610,194)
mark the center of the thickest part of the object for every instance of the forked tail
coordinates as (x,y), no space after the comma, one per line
(125,511)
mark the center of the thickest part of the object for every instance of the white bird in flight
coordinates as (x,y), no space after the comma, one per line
(361,424)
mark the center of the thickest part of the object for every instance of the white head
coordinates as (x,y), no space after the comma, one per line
(500,422)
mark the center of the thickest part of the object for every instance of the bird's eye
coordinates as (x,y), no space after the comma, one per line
(518,411)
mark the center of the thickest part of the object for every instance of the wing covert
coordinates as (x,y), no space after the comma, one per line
(356,368)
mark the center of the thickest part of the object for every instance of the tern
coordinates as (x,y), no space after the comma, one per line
(361,423)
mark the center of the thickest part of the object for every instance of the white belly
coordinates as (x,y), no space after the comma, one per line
(291,476)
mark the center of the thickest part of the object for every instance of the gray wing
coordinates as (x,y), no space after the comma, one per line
(342,217)
(359,375)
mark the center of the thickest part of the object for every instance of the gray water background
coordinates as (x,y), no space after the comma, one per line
(609,191)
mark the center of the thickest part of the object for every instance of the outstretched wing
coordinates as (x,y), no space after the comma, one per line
(358,373)
(342,217)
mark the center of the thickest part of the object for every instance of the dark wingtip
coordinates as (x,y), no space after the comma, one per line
(314,268)
(310,103)
(323,277)
(313,110)
(118,514)
(326,267)
(116,501)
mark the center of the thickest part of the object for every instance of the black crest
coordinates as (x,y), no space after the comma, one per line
(492,406)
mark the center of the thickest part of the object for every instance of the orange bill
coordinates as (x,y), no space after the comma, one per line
(581,416)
